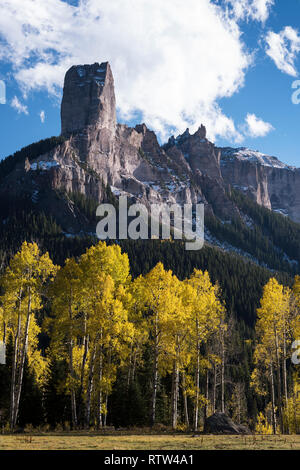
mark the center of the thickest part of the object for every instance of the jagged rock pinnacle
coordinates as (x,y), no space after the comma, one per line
(88,98)
(201,132)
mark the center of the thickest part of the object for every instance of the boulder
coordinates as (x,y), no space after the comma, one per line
(220,423)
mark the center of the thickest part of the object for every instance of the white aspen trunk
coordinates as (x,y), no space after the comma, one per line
(22,362)
(129,368)
(186,410)
(106,394)
(196,409)
(73,393)
(274,421)
(134,367)
(4,333)
(83,364)
(154,393)
(279,384)
(105,416)
(155,377)
(207,393)
(175,395)
(215,388)
(223,375)
(85,353)
(90,387)
(14,372)
(100,422)
(284,370)
(71,369)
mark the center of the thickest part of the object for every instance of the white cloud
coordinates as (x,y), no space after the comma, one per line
(42,116)
(283,48)
(18,106)
(172,60)
(256,127)
(258,10)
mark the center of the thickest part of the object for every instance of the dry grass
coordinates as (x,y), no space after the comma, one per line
(93,441)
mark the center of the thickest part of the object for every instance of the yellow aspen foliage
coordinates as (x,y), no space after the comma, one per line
(206,318)
(161,304)
(106,259)
(66,323)
(274,331)
(103,322)
(292,409)
(24,284)
(262,425)
(107,330)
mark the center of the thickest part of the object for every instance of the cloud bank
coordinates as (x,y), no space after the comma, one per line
(172,60)
(18,106)
(256,127)
(283,49)
(251,9)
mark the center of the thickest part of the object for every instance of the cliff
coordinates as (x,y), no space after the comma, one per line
(265,179)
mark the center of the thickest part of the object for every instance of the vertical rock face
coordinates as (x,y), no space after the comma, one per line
(88,99)
(264,178)
(199,152)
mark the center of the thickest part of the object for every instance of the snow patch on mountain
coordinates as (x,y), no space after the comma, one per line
(252,156)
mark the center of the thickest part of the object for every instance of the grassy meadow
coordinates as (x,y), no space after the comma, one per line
(93,441)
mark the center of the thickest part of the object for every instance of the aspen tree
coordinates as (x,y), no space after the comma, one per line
(207,316)
(135,305)
(66,300)
(104,271)
(159,305)
(24,283)
(273,344)
(177,355)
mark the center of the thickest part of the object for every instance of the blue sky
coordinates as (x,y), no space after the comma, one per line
(228,64)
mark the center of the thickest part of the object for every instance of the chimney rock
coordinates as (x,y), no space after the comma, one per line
(88,98)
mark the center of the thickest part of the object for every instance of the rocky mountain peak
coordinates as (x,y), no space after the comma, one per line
(141,128)
(201,132)
(88,99)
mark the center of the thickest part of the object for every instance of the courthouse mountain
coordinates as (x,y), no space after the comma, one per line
(96,158)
